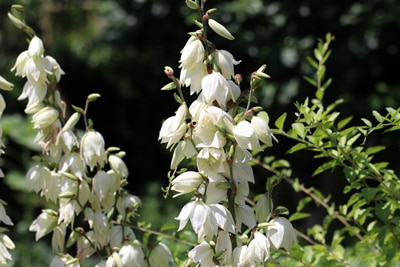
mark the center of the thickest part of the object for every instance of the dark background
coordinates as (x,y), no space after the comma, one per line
(119,49)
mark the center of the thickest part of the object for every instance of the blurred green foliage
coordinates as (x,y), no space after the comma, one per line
(119,48)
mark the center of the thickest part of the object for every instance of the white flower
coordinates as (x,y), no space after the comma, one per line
(36,48)
(57,71)
(101,229)
(58,238)
(44,223)
(258,249)
(186,182)
(3,215)
(242,172)
(36,178)
(262,130)
(223,217)
(128,203)
(92,149)
(131,255)
(174,128)
(118,234)
(66,211)
(45,117)
(225,61)
(196,211)
(118,166)
(281,233)
(245,136)
(239,256)
(5,244)
(202,253)
(193,68)
(73,164)
(212,162)
(215,88)
(85,246)
(223,247)
(244,214)
(160,256)
(62,260)
(102,183)
(35,92)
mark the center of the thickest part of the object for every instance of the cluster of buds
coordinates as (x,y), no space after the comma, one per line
(220,134)
(5,242)
(77,173)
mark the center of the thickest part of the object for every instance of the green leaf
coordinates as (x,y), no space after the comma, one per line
(280,121)
(377,116)
(326,166)
(383,211)
(344,122)
(374,149)
(310,81)
(368,193)
(299,216)
(367,122)
(299,129)
(312,62)
(297,147)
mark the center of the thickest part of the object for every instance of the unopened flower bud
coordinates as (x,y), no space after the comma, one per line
(5,85)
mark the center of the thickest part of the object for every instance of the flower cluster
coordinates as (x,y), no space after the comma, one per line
(220,135)
(5,242)
(77,173)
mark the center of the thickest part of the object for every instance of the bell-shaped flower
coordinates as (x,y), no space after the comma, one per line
(258,249)
(242,172)
(174,128)
(129,203)
(44,118)
(160,256)
(191,62)
(186,182)
(44,224)
(66,211)
(56,68)
(212,162)
(212,126)
(281,233)
(118,166)
(58,238)
(73,164)
(102,182)
(119,234)
(131,255)
(86,245)
(244,215)
(262,130)
(92,149)
(5,244)
(215,87)
(239,256)
(36,178)
(245,136)
(225,62)
(223,217)
(36,48)
(203,253)
(201,217)
(223,248)
(101,229)
(35,92)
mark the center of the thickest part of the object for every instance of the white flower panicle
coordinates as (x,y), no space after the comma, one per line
(223,134)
